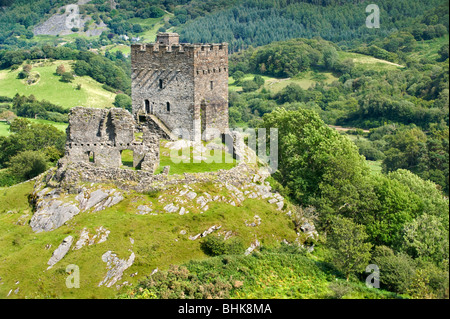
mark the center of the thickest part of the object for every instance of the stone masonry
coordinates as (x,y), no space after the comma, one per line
(184,85)
(100,136)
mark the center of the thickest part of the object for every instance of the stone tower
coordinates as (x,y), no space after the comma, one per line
(180,86)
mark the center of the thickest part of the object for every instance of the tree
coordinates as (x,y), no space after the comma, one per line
(319,166)
(123,101)
(350,252)
(61,69)
(397,269)
(249,86)
(67,77)
(258,79)
(427,238)
(330,58)
(82,68)
(238,76)
(443,52)
(28,164)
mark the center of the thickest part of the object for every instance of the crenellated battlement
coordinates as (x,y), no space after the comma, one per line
(199,49)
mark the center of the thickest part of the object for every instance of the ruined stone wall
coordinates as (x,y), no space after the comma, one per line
(98,137)
(68,177)
(163,84)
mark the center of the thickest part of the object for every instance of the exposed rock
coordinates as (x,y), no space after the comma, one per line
(85,239)
(52,214)
(205,233)
(191,195)
(116,267)
(99,199)
(60,252)
(143,209)
(252,247)
(166,170)
(171,208)
(256,222)
(309,230)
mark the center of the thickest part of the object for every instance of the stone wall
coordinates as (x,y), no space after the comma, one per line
(98,137)
(184,85)
(163,84)
(68,175)
(211,85)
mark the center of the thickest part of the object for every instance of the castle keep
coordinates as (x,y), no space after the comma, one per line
(178,90)
(180,86)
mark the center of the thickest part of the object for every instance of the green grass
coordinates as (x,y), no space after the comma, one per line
(369,62)
(275,85)
(4,129)
(271,273)
(157,240)
(429,48)
(153,23)
(375,166)
(50,88)
(215,160)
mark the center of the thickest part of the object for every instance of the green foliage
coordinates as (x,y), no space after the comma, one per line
(315,161)
(350,252)
(67,77)
(369,151)
(216,246)
(123,101)
(27,164)
(256,23)
(426,238)
(396,270)
(179,283)
(27,136)
(30,107)
(427,156)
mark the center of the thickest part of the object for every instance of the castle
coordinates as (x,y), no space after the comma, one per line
(178,90)
(183,86)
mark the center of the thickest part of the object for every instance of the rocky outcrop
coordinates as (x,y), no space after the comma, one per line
(98,199)
(60,252)
(116,267)
(53,209)
(52,214)
(86,239)
(67,18)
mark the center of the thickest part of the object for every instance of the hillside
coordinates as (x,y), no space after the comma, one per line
(141,225)
(49,86)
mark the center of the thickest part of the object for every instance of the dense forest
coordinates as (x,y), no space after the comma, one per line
(259,22)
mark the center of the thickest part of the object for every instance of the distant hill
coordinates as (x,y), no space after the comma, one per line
(49,86)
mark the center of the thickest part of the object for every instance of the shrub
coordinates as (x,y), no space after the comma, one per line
(215,246)
(28,164)
(397,270)
(67,77)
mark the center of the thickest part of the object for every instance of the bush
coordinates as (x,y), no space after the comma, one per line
(28,164)
(123,101)
(215,246)
(7,178)
(67,77)
(398,271)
